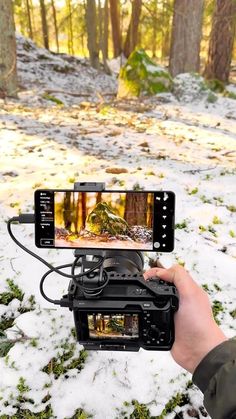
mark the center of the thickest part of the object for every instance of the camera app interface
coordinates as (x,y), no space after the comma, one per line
(119,220)
(124,326)
(104,220)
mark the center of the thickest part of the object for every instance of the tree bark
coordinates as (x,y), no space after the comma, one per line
(54,13)
(44,24)
(30,31)
(221,41)
(115,26)
(103,42)
(8,72)
(70,28)
(186,36)
(91,21)
(132,34)
(136,209)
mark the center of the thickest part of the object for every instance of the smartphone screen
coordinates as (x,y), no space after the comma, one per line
(122,220)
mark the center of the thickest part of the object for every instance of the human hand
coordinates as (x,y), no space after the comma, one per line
(196,332)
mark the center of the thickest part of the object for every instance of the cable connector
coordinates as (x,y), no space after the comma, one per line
(23,219)
(26,218)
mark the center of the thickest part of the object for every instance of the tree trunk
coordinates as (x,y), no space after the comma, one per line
(91,21)
(221,41)
(68,213)
(8,73)
(102,40)
(30,31)
(106,28)
(154,25)
(115,26)
(136,209)
(44,24)
(54,13)
(70,28)
(132,34)
(186,36)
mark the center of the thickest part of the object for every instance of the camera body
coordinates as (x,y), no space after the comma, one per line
(128,313)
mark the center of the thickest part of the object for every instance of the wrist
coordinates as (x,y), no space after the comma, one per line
(214,340)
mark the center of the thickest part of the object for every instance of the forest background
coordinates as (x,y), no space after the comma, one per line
(184,35)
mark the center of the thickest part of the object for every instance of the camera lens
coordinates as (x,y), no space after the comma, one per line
(123,262)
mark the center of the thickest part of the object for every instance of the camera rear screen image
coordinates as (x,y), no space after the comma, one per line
(105,326)
(103,220)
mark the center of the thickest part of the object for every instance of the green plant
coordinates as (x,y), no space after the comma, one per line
(233,314)
(231,208)
(14,292)
(140,411)
(59,366)
(205,200)
(54,99)
(81,414)
(232,233)
(193,191)
(181,225)
(217,308)
(216,220)
(178,400)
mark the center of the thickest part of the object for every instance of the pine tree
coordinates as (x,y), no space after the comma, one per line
(8,72)
(221,41)
(186,36)
(132,34)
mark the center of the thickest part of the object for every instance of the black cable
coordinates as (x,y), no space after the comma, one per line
(29,218)
(51,267)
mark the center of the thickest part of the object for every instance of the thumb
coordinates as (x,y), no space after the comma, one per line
(176,275)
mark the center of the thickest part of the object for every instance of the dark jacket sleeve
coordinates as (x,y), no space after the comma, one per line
(216,378)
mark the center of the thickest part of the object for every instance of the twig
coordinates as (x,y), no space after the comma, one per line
(228,152)
(199,170)
(77,94)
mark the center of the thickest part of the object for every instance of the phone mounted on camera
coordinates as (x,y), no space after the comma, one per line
(114,307)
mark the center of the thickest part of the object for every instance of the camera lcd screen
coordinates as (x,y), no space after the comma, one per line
(111,326)
(105,220)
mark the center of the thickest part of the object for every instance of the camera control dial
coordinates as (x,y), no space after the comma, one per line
(154,332)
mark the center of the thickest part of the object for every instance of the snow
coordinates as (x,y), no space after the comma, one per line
(190,149)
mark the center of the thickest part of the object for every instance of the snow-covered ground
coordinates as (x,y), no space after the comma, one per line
(159,143)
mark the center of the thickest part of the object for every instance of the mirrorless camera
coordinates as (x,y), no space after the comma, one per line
(128,312)
(114,307)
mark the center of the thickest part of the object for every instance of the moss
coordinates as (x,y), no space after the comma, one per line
(59,366)
(47,413)
(81,414)
(193,191)
(141,75)
(140,411)
(21,386)
(14,292)
(217,288)
(206,288)
(181,225)
(178,400)
(233,314)
(231,208)
(211,98)
(215,85)
(205,200)
(217,308)
(216,220)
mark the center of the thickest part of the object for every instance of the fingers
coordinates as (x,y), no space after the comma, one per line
(176,275)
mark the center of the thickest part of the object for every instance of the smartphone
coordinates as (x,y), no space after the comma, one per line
(122,220)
